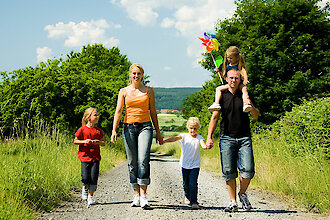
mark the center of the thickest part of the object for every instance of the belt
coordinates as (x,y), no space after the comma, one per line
(136,124)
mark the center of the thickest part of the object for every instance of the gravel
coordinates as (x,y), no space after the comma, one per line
(165,194)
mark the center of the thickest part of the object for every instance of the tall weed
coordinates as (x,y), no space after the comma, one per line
(40,169)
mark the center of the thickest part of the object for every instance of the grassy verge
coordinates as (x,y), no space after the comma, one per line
(37,173)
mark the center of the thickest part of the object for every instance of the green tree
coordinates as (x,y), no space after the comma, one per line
(59,91)
(286,47)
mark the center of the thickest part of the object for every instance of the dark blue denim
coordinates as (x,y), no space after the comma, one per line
(190,185)
(90,175)
(236,153)
(138,140)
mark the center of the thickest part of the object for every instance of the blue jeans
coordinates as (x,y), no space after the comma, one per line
(138,140)
(236,153)
(190,185)
(90,175)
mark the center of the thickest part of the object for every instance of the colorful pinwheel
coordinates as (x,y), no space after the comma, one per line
(211,43)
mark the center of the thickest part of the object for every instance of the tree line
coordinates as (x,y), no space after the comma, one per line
(285,44)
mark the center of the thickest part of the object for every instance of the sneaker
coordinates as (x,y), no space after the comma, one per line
(144,202)
(186,201)
(84,194)
(195,206)
(247,108)
(136,201)
(214,107)
(91,200)
(246,205)
(232,207)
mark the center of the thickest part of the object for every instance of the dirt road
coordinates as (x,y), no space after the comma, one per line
(165,195)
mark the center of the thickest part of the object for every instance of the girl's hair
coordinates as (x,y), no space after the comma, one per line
(132,67)
(87,114)
(234,51)
(195,121)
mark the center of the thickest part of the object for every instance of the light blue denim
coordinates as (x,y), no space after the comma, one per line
(236,153)
(138,140)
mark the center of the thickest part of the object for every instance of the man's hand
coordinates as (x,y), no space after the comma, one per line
(209,143)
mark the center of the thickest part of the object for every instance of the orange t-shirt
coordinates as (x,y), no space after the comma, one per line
(137,108)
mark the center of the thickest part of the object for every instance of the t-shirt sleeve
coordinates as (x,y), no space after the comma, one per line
(182,137)
(79,134)
(200,138)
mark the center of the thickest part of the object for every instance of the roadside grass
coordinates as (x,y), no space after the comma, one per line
(39,172)
(170,119)
(291,156)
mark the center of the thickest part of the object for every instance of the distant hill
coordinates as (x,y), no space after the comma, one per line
(172,98)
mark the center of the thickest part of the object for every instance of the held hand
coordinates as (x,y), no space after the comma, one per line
(246,82)
(209,143)
(113,137)
(88,141)
(159,139)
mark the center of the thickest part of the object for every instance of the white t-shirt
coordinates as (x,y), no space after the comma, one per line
(190,153)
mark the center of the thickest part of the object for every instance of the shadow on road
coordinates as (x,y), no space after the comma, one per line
(162,158)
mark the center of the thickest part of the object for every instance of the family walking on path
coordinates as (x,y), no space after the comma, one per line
(232,102)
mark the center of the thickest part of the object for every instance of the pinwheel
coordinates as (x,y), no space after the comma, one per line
(211,43)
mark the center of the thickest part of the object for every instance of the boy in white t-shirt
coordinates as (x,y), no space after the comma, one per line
(190,159)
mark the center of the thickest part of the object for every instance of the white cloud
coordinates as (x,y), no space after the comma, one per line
(166,23)
(167,68)
(78,34)
(43,54)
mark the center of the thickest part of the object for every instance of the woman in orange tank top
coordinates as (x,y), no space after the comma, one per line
(139,101)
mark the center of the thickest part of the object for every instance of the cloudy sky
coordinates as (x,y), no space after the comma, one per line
(161,35)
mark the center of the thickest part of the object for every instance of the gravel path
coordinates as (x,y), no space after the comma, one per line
(165,195)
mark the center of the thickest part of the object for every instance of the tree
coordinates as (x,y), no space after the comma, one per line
(59,91)
(286,47)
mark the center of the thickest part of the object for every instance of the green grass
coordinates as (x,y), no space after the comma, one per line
(38,173)
(170,119)
(291,157)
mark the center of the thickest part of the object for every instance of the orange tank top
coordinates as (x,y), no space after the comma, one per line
(137,108)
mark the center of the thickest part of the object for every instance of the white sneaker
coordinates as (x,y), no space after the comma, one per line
(247,108)
(136,201)
(84,194)
(91,200)
(144,202)
(214,107)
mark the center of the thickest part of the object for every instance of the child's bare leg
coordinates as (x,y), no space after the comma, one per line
(246,99)
(218,92)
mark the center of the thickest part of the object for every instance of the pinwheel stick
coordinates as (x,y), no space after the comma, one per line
(216,66)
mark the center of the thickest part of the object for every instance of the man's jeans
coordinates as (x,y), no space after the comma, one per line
(236,153)
(190,185)
(138,140)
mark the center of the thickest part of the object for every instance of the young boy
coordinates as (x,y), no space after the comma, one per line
(190,160)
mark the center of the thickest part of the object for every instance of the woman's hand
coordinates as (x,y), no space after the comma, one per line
(159,138)
(113,137)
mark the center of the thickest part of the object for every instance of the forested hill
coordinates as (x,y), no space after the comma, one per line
(172,98)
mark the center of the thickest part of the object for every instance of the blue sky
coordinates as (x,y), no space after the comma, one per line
(161,35)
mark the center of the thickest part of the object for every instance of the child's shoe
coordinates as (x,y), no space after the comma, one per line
(214,107)
(195,206)
(247,108)
(84,193)
(136,201)
(91,200)
(186,201)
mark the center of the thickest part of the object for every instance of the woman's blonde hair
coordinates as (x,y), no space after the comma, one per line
(87,114)
(193,121)
(233,50)
(132,67)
